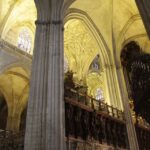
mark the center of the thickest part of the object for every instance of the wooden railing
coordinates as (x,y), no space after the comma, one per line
(143,136)
(78,144)
(90,125)
(93,104)
(11,141)
(91,120)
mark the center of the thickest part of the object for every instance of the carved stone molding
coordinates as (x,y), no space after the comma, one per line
(55,22)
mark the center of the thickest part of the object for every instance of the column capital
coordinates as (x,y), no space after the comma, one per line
(39,22)
(54,22)
(49,9)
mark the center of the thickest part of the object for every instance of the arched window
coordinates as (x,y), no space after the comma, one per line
(66,66)
(25,40)
(99,94)
(95,65)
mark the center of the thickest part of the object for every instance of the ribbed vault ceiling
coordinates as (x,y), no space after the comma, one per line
(121,17)
(117,21)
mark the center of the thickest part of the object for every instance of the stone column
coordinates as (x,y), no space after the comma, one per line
(132,138)
(144,9)
(111,92)
(45,114)
(13,123)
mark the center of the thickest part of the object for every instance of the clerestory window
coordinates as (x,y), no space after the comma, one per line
(25,40)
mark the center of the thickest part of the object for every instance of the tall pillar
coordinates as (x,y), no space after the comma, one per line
(144,9)
(45,113)
(13,123)
(109,93)
(132,138)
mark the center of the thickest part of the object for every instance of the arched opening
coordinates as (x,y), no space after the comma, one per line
(79,47)
(14,83)
(85,83)
(99,94)
(19,27)
(25,40)
(85,54)
(3,112)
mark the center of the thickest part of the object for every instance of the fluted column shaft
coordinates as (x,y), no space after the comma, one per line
(45,114)
(55,126)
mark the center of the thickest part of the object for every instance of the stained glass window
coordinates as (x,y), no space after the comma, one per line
(99,94)
(25,40)
(65,64)
(95,64)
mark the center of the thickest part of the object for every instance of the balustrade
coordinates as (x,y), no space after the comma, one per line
(11,141)
(78,144)
(91,120)
(92,103)
(143,136)
(90,125)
